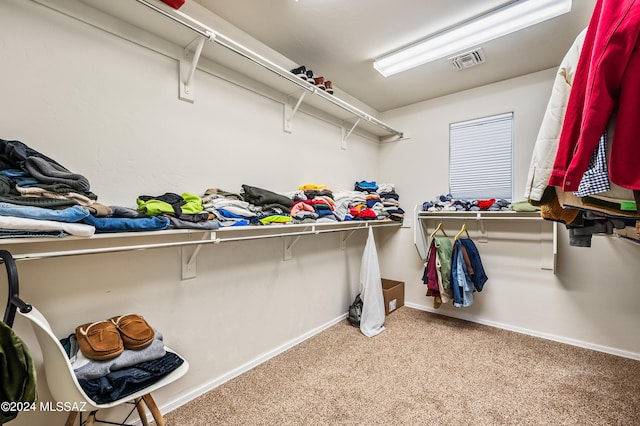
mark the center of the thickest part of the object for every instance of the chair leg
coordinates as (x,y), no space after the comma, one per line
(73,415)
(91,418)
(157,416)
(141,411)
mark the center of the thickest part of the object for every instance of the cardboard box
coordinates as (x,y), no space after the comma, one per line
(393,292)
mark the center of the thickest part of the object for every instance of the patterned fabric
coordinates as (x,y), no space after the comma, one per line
(596,178)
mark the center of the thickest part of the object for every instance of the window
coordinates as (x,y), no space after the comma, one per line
(481,158)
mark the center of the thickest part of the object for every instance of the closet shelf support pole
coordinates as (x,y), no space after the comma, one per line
(188,69)
(289,112)
(345,136)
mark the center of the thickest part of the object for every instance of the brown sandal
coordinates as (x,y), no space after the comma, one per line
(136,333)
(99,340)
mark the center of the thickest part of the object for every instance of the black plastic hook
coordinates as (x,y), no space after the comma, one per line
(13,295)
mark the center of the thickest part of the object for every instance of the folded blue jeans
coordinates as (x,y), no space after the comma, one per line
(69,214)
(125,224)
(127,381)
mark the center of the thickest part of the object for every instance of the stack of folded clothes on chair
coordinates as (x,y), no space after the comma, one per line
(116,357)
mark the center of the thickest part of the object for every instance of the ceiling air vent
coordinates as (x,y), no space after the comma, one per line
(468,59)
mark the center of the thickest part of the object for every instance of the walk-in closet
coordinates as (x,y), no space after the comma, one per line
(304,212)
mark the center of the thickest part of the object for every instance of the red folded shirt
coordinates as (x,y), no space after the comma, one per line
(174,3)
(485,204)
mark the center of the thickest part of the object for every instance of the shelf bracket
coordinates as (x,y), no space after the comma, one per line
(290,112)
(288,246)
(548,249)
(419,230)
(190,257)
(188,69)
(484,235)
(346,135)
(252,56)
(343,240)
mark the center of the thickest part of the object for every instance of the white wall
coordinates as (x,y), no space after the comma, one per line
(591,301)
(108,109)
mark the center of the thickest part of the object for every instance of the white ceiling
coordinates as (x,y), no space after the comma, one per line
(339,39)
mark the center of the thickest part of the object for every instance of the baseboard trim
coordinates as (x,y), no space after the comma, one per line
(193,394)
(548,336)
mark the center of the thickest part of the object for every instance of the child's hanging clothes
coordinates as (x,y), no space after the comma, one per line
(479,277)
(467,272)
(444,249)
(461,271)
(430,276)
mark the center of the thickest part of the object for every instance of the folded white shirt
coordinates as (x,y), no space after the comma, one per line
(78,229)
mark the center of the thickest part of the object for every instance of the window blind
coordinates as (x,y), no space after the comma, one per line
(481,158)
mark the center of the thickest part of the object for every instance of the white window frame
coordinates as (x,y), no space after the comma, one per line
(481,158)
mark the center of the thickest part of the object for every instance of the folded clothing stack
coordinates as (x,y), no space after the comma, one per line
(30,178)
(381,201)
(314,203)
(448,203)
(390,201)
(366,210)
(117,357)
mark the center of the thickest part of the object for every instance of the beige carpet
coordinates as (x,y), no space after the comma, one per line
(426,369)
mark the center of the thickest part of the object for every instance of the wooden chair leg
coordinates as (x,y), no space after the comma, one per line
(73,415)
(157,416)
(91,418)
(141,411)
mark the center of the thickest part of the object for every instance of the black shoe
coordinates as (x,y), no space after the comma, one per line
(310,78)
(301,72)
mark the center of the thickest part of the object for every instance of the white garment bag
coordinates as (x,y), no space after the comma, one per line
(372,318)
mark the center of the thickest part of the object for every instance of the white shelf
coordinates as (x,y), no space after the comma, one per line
(157,26)
(183,238)
(481,215)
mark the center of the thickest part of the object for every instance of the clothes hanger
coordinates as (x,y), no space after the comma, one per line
(438,228)
(459,234)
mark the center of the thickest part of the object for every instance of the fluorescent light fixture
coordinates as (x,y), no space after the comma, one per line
(496,23)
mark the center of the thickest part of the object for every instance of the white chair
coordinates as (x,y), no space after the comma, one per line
(64,386)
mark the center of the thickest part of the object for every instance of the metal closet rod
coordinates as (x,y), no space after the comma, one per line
(260,60)
(479,217)
(64,253)
(211,35)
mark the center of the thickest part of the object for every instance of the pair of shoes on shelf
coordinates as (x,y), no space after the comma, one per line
(328,87)
(318,81)
(301,72)
(104,340)
(323,84)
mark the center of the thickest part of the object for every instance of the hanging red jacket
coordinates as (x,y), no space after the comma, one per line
(606,78)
